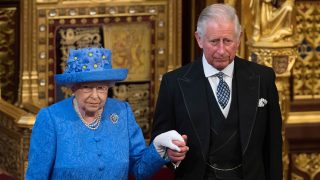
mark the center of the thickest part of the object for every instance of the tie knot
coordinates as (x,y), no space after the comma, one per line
(220,75)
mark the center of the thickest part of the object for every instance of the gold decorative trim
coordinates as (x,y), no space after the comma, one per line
(304,117)
(296,177)
(19,116)
(10,109)
(274,45)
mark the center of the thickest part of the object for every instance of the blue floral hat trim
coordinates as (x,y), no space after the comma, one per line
(88,65)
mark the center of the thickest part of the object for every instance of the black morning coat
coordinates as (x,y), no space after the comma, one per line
(182,106)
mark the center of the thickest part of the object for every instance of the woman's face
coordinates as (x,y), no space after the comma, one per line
(91,96)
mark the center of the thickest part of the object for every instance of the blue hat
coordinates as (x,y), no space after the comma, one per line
(88,65)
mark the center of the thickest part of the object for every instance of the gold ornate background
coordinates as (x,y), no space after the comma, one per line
(306,72)
(145,36)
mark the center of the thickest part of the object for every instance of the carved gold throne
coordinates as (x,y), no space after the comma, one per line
(143,35)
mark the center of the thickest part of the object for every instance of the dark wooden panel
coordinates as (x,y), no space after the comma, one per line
(305,105)
(303,137)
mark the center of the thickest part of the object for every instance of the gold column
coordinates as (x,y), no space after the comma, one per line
(29,76)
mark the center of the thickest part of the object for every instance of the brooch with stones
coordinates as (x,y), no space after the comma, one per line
(114,118)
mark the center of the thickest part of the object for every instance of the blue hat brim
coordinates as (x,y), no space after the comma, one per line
(117,74)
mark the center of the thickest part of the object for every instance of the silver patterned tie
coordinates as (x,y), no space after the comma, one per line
(223,91)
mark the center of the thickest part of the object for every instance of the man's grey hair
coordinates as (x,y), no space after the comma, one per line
(218,13)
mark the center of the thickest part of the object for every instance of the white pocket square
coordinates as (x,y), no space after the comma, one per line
(262,102)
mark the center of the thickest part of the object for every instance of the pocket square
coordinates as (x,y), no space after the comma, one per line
(262,102)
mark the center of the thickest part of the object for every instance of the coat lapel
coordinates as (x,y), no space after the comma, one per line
(192,86)
(248,84)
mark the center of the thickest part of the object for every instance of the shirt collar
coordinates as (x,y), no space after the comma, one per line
(210,70)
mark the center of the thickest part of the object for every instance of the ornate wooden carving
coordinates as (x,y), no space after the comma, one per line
(9,55)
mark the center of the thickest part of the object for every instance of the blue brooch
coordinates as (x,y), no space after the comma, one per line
(114,118)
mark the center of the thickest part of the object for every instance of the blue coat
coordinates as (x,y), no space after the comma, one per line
(62,147)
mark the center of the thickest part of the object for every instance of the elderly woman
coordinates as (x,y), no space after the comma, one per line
(91,136)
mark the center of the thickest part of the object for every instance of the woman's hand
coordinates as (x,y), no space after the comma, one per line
(165,140)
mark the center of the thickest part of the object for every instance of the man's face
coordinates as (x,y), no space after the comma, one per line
(219,43)
(91,97)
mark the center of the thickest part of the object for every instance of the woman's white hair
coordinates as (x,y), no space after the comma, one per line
(218,13)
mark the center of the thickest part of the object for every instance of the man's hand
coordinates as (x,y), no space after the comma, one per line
(176,156)
(165,140)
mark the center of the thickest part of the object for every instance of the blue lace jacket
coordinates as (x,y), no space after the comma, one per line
(62,147)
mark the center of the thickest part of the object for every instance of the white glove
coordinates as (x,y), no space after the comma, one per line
(164,140)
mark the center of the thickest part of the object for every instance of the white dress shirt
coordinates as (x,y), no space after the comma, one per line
(210,72)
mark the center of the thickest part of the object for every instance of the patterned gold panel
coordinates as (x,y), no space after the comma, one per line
(131,47)
(308,163)
(306,72)
(9,72)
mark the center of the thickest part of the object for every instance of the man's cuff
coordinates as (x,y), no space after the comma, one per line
(166,157)
(176,164)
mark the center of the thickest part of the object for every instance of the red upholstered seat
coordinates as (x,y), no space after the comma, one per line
(163,173)
(5,176)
